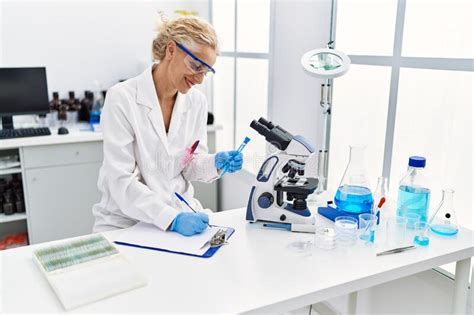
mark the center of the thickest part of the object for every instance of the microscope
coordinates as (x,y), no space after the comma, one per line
(279,194)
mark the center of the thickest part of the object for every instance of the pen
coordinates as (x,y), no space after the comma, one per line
(241,147)
(187,204)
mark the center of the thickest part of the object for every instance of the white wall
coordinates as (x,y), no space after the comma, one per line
(299,26)
(81,41)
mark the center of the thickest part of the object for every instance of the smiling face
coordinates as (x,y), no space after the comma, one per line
(180,73)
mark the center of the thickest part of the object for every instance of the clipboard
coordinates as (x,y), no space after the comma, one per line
(209,253)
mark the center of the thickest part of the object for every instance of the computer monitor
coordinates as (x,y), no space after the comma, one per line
(23,91)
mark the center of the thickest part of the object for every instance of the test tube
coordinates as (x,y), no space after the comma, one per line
(240,148)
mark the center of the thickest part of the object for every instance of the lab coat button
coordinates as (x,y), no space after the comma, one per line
(282,217)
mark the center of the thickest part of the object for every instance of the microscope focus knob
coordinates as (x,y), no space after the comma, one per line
(265,200)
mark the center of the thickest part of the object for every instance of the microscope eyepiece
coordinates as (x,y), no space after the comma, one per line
(261,129)
(266,123)
(276,135)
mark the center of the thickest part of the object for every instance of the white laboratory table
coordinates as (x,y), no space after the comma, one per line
(255,273)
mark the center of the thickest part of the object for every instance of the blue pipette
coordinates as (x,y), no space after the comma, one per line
(241,147)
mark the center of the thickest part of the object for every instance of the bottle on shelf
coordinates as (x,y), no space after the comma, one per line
(17,187)
(97,105)
(62,112)
(73,108)
(3,189)
(86,105)
(8,205)
(54,104)
(19,203)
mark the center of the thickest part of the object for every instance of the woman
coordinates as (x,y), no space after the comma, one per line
(148,122)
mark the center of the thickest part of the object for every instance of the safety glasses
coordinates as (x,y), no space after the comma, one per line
(194,63)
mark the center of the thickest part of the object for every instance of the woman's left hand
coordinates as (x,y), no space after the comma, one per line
(230,161)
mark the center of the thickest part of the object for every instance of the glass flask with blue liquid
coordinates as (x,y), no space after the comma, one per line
(444,220)
(413,191)
(354,195)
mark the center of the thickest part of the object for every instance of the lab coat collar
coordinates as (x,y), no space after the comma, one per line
(146,93)
(146,96)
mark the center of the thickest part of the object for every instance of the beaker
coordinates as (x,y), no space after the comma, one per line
(421,237)
(367,224)
(444,220)
(412,219)
(346,230)
(354,194)
(325,238)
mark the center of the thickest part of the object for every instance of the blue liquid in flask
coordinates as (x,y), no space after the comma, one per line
(354,199)
(443,230)
(413,200)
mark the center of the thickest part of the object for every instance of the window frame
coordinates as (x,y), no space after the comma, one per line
(235,54)
(396,62)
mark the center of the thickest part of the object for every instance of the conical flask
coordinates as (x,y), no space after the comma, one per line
(444,221)
(354,194)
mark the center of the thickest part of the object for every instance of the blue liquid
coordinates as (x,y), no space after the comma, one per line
(354,199)
(413,200)
(421,240)
(443,230)
(94,117)
(368,237)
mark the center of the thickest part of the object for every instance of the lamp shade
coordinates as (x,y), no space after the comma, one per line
(325,63)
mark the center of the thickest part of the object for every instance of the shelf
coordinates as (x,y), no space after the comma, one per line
(13,217)
(7,171)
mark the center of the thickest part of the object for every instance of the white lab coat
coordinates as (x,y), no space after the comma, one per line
(142,167)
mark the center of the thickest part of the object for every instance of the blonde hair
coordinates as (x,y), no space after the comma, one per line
(186,30)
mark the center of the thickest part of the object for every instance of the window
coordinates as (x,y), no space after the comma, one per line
(418,102)
(240,87)
(363,115)
(355,26)
(438,29)
(434,113)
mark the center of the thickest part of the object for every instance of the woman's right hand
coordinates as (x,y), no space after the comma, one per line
(189,223)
